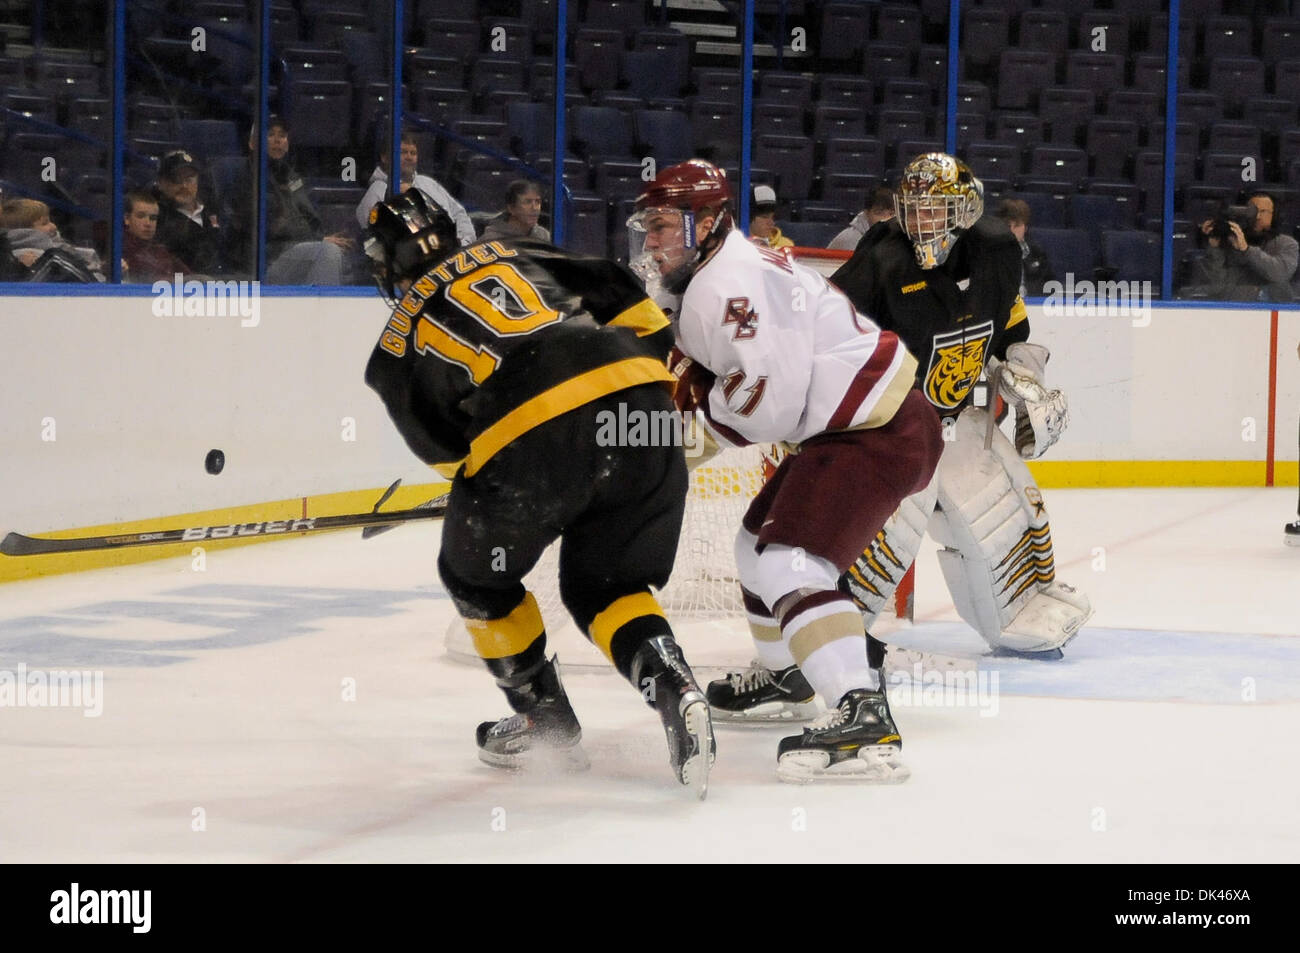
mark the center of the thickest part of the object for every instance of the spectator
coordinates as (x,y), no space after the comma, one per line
(879,209)
(298,250)
(1036,268)
(762,220)
(519,220)
(145,260)
(31,234)
(189,228)
(426,184)
(1257,266)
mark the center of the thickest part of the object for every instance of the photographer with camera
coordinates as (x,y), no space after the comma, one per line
(1249,257)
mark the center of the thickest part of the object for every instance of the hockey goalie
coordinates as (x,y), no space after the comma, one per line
(946,280)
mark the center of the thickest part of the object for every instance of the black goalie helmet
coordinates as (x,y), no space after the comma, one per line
(407,236)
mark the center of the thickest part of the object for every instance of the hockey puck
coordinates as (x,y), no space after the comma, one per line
(214,462)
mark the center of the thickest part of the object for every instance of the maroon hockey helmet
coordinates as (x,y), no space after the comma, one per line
(662,247)
(695,186)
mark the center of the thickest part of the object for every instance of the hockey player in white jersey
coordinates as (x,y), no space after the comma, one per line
(947,280)
(770,352)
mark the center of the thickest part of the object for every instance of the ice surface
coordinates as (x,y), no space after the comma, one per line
(1167,733)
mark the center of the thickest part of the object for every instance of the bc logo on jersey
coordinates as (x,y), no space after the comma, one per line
(955,364)
(742,316)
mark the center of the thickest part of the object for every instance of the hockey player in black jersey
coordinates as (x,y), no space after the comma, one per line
(497,363)
(946,280)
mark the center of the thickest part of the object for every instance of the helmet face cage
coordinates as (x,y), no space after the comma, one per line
(937,199)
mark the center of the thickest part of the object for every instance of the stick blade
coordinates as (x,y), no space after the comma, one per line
(16,544)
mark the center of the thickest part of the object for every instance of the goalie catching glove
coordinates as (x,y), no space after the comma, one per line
(1041,414)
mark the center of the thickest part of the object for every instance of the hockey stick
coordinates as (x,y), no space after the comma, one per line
(16,544)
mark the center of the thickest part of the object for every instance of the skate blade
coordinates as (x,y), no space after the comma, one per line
(695,770)
(540,760)
(874,764)
(1291,539)
(769,713)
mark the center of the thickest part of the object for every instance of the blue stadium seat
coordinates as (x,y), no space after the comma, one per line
(715,128)
(1240,138)
(853,92)
(906,94)
(899,25)
(1045,30)
(831,122)
(1115,27)
(895,124)
(315,110)
(1021,73)
(1111,144)
(601,132)
(619,180)
(532,129)
(717,85)
(1068,249)
(1100,72)
(985,33)
(209,138)
(778,117)
(588,226)
(790,158)
(626,16)
(1048,209)
(664,134)
(886,61)
(596,54)
(490,73)
(1136,104)
(1226,37)
(1099,211)
(1020,130)
(864,156)
(847,189)
(974,98)
(674,51)
(994,160)
(1135,256)
(793,88)
(1200,108)
(1237,80)
(1281,40)
(843,31)
(643,78)
(1066,111)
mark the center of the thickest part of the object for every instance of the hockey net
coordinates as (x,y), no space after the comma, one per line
(704,586)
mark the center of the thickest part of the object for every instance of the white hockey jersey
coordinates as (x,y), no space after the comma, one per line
(792,357)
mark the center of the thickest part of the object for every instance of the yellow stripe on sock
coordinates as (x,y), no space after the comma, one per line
(618,614)
(511,635)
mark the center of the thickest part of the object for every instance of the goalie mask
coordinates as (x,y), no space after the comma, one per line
(662,246)
(937,199)
(407,236)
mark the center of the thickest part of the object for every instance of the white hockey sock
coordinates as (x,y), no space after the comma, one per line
(824,633)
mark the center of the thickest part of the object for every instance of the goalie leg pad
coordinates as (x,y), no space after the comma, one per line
(874,576)
(997,558)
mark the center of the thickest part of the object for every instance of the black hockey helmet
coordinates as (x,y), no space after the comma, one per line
(407,236)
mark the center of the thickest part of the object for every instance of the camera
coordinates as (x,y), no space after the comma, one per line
(1243,215)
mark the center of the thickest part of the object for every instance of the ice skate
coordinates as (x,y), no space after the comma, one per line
(660,672)
(1291,533)
(544,735)
(855,741)
(760,696)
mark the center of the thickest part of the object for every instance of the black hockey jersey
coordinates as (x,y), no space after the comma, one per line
(953,317)
(504,335)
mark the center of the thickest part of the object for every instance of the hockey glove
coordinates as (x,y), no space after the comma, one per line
(694,381)
(1041,415)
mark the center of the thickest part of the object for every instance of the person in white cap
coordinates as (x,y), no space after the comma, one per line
(762,220)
